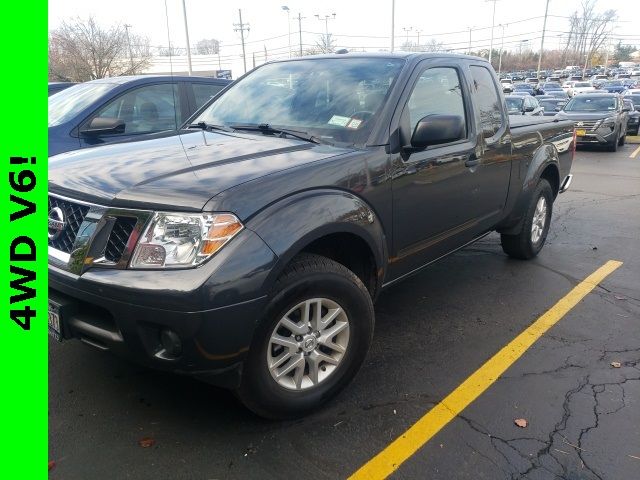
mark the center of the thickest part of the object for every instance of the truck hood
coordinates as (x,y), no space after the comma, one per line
(178,172)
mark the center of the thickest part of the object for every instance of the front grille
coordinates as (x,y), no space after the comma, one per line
(118,238)
(587,124)
(73,217)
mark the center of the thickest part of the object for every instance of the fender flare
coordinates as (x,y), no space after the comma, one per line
(546,156)
(290,224)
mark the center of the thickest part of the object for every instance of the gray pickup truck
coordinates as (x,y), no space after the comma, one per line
(248,251)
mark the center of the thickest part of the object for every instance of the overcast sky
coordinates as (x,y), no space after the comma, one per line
(357,24)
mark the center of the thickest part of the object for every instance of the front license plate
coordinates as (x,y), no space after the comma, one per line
(581,132)
(54,321)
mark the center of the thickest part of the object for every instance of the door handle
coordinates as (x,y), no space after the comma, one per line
(472,161)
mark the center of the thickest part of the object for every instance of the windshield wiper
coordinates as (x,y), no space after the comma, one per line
(281,132)
(209,126)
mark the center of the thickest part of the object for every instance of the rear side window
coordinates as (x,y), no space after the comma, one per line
(203,92)
(488,101)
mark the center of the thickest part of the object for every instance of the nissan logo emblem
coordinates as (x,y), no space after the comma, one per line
(57,222)
(579,124)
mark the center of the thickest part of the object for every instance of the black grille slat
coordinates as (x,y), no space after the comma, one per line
(74,216)
(118,238)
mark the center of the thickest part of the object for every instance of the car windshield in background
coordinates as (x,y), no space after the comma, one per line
(550,105)
(65,104)
(615,83)
(331,99)
(552,86)
(591,103)
(634,98)
(581,84)
(514,104)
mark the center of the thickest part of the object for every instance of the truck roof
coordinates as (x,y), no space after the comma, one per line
(396,54)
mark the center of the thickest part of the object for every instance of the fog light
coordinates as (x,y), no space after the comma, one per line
(171,342)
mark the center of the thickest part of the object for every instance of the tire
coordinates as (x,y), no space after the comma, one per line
(525,245)
(623,139)
(319,281)
(613,146)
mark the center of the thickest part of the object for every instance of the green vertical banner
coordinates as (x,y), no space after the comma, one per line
(23,248)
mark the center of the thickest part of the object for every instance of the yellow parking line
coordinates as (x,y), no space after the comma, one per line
(635,153)
(403,447)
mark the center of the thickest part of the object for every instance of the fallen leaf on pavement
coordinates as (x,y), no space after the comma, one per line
(521,422)
(616,364)
(52,464)
(146,442)
(618,297)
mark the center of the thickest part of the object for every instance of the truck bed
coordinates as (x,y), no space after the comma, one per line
(519,121)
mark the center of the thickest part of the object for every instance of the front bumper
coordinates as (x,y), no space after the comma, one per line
(213,310)
(600,136)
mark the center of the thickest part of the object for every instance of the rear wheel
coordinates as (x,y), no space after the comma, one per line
(313,339)
(529,241)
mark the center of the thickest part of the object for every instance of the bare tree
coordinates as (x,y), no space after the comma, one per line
(82,50)
(587,31)
(326,44)
(209,46)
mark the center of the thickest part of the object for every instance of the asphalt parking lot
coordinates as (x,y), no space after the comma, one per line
(432,332)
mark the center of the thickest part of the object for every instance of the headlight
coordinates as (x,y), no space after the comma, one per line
(608,122)
(179,240)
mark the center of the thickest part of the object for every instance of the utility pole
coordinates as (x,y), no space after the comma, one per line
(544,29)
(469,49)
(219,61)
(186,32)
(493,22)
(126,29)
(241,27)
(286,9)
(418,31)
(300,17)
(606,55)
(393,23)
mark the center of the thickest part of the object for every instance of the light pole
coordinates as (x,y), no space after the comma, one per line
(126,28)
(493,22)
(469,49)
(418,31)
(393,23)
(407,30)
(544,29)
(300,17)
(326,19)
(286,9)
(186,32)
(501,48)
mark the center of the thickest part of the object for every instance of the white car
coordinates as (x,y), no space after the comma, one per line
(632,91)
(507,85)
(582,87)
(568,88)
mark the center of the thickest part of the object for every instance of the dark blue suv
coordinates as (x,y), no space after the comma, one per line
(124,108)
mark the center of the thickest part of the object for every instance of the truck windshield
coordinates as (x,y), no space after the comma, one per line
(333,99)
(590,103)
(66,104)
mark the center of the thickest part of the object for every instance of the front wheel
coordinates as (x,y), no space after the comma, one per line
(529,241)
(312,340)
(622,140)
(613,146)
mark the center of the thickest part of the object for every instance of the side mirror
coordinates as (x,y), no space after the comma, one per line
(529,109)
(103,126)
(626,109)
(558,108)
(437,129)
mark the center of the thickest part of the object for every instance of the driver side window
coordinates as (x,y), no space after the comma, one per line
(147,109)
(437,92)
